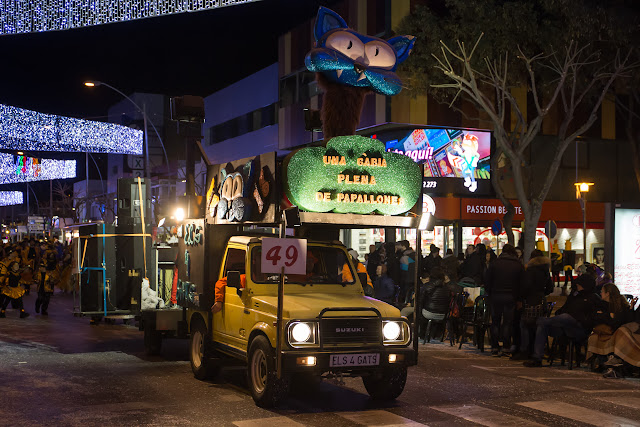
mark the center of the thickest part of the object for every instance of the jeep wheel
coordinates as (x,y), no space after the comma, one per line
(386,385)
(266,389)
(202,365)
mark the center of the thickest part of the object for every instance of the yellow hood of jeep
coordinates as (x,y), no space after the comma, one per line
(308,306)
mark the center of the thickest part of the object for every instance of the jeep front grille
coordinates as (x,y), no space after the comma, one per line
(350,331)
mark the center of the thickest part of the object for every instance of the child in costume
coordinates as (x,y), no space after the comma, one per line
(12,291)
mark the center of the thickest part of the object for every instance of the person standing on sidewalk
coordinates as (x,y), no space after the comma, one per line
(536,284)
(502,283)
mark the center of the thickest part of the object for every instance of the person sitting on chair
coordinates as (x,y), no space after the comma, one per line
(575,318)
(435,297)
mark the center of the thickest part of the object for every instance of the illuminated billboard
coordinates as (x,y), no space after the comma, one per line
(626,267)
(10,198)
(455,160)
(14,169)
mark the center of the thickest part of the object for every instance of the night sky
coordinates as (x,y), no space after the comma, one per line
(186,54)
(191,53)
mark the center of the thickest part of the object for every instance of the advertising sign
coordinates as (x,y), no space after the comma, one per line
(455,160)
(627,251)
(288,253)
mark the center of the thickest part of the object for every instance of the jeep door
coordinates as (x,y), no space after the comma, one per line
(233,309)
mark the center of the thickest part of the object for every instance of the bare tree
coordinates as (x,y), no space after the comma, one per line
(574,80)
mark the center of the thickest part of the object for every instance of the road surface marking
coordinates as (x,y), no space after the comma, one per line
(580,414)
(378,418)
(485,416)
(618,390)
(549,379)
(453,358)
(493,368)
(631,402)
(274,421)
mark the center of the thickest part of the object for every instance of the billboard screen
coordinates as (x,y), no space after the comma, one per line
(455,160)
(626,260)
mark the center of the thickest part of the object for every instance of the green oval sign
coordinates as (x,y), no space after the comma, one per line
(352,174)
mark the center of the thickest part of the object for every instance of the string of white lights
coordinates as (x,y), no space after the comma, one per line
(22,129)
(14,169)
(10,198)
(30,16)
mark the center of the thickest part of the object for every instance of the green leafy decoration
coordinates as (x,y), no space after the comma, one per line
(306,175)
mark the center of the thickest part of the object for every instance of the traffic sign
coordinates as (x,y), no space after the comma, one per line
(135,162)
(550,229)
(496,227)
(288,253)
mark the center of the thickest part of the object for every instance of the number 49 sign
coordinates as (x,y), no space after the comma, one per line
(288,253)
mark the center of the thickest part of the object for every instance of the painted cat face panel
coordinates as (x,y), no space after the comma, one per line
(353,59)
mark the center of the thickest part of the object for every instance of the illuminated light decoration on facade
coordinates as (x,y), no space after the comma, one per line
(15,169)
(353,174)
(29,16)
(10,198)
(22,129)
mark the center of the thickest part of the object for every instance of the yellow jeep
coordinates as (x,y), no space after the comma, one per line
(330,328)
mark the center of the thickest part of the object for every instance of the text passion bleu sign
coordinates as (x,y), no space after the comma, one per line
(352,174)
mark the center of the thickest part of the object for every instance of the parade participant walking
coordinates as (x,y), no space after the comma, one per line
(12,291)
(46,280)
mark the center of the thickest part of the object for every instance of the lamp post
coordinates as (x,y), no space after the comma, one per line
(96,83)
(582,188)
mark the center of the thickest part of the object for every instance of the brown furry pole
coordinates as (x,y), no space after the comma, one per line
(341,107)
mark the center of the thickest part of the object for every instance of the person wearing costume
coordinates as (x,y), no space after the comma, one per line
(360,268)
(11,256)
(12,291)
(46,280)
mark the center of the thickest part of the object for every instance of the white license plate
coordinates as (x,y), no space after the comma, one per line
(369,359)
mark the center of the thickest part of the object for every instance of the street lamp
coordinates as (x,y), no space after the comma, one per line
(96,83)
(582,188)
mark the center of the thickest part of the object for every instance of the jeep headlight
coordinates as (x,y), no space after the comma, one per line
(395,332)
(302,333)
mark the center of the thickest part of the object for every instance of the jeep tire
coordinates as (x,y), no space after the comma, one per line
(387,384)
(202,365)
(266,389)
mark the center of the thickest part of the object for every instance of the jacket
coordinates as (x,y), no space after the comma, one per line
(360,268)
(407,267)
(436,297)
(583,306)
(473,267)
(450,264)
(619,319)
(504,276)
(536,281)
(431,261)
(384,288)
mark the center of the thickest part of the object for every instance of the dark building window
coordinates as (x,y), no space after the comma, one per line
(249,122)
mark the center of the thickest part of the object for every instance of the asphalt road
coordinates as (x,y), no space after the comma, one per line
(60,371)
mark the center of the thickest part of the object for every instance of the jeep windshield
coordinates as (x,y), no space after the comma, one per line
(325,265)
